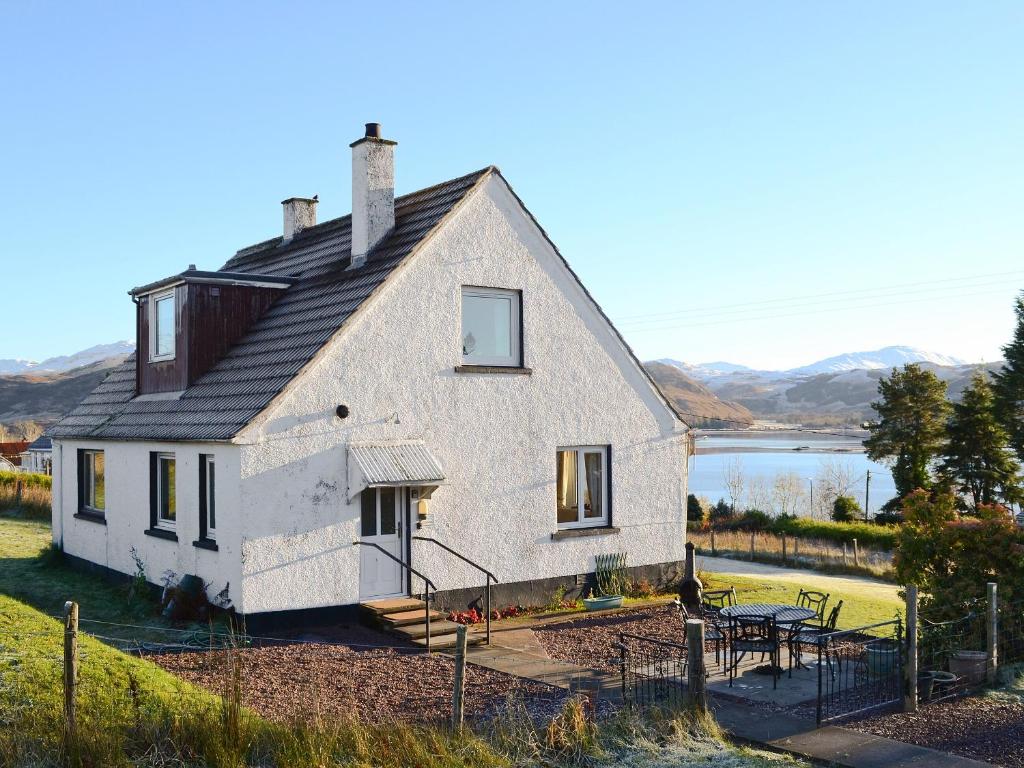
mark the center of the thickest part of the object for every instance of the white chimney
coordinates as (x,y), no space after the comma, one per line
(299,213)
(373,192)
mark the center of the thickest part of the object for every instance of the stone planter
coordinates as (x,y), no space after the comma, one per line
(969,665)
(883,657)
(941,681)
(602,603)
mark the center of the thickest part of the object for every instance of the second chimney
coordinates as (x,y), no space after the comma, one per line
(373,192)
(299,213)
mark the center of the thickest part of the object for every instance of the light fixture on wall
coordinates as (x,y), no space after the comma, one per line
(341,411)
(394,418)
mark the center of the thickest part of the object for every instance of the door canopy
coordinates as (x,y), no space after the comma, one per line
(374,465)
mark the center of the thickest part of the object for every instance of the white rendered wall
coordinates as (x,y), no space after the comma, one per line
(495,435)
(127,512)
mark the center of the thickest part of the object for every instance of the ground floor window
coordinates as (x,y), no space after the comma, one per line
(582,486)
(207,497)
(91,482)
(164,507)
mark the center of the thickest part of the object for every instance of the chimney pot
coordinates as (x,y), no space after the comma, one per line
(373,192)
(299,213)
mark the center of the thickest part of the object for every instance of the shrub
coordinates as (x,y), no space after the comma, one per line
(866,534)
(845,509)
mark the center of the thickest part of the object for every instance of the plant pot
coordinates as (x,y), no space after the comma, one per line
(941,680)
(969,665)
(883,657)
(602,603)
(925,683)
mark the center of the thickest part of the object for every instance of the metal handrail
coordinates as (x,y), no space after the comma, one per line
(428,584)
(487,586)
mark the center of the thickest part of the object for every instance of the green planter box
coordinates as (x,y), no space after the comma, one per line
(602,603)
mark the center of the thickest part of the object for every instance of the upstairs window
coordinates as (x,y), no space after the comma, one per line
(162,329)
(582,486)
(491,327)
(91,482)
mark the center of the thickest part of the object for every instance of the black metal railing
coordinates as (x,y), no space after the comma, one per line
(487,586)
(860,670)
(427,584)
(653,672)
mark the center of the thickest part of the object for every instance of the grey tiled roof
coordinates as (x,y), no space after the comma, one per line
(225,398)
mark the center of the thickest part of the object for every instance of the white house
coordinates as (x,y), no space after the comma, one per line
(37,458)
(426,368)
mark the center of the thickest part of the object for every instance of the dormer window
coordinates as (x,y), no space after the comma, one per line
(162,327)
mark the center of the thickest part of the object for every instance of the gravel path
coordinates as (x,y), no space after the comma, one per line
(591,641)
(989,728)
(302,680)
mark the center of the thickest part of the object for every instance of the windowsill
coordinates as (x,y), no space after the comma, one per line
(513,369)
(162,359)
(92,517)
(209,544)
(161,533)
(576,533)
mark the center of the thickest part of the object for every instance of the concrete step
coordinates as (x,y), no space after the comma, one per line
(437,628)
(392,605)
(404,618)
(437,642)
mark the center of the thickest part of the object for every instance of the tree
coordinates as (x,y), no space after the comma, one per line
(787,494)
(977,459)
(732,475)
(1008,385)
(845,509)
(835,478)
(911,427)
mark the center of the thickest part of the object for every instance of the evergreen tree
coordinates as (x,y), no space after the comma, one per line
(1008,385)
(977,459)
(911,428)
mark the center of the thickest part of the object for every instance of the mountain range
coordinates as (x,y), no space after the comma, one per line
(68,362)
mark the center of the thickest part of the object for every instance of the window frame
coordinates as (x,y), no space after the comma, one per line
(160,522)
(605,521)
(207,497)
(515,326)
(87,482)
(154,330)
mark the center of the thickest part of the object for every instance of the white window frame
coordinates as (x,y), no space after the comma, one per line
(153,330)
(163,523)
(211,494)
(586,522)
(89,478)
(516,329)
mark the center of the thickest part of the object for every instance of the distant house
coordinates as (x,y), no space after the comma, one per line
(295,425)
(11,452)
(38,456)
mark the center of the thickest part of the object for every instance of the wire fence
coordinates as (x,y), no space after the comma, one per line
(952,656)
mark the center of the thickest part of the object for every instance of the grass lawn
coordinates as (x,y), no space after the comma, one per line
(131,712)
(863,604)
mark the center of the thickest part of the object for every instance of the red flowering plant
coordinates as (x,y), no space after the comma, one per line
(474,616)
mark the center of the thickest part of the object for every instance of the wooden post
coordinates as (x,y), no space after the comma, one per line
(856,554)
(844,553)
(460,676)
(992,635)
(714,548)
(70,675)
(796,548)
(695,674)
(783,549)
(751,546)
(910,669)
(17,494)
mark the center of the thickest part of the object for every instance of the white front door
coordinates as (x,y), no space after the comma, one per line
(382,523)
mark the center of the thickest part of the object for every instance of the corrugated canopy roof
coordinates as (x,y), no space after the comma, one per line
(278,345)
(410,462)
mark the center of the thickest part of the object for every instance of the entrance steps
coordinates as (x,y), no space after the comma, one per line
(405,617)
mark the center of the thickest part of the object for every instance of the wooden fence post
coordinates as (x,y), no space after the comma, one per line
(17,494)
(695,674)
(844,554)
(992,634)
(796,548)
(751,546)
(714,548)
(910,668)
(460,676)
(856,554)
(783,549)
(70,675)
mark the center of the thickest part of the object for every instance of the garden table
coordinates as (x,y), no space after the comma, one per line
(784,614)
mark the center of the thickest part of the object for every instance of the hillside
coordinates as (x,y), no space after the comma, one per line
(45,397)
(691,397)
(66,363)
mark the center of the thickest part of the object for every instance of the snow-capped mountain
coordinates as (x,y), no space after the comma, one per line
(887,357)
(703,369)
(63,363)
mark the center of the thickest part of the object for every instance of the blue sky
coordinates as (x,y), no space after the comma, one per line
(767,183)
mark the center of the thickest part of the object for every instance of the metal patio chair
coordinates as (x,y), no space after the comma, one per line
(754,634)
(712,628)
(806,633)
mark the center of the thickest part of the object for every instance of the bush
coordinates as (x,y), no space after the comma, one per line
(698,512)
(866,534)
(845,509)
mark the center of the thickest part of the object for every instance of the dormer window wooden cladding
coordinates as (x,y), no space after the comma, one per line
(186,323)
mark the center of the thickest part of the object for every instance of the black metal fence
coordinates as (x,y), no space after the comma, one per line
(653,672)
(860,670)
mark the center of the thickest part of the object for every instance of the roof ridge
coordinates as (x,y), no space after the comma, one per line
(321,226)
